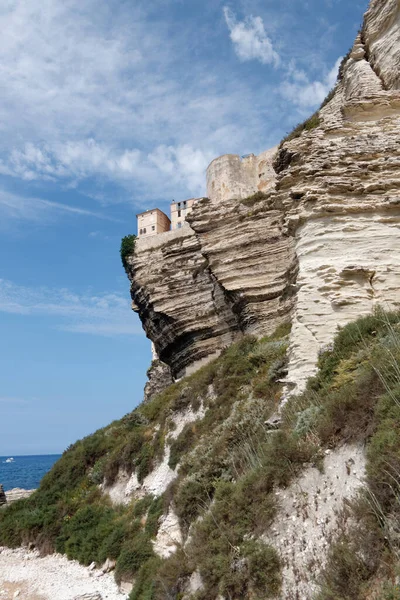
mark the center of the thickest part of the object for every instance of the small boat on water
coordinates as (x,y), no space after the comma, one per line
(10,460)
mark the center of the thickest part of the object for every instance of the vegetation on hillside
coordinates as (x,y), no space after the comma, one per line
(228,465)
(69,513)
(127,248)
(355,397)
(307,125)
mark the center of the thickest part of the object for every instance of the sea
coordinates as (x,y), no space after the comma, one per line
(25,472)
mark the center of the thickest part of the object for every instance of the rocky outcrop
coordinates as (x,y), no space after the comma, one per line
(13,495)
(182,307)
(318,247)
(199,288)
(341,195)
(159,377)
(310,516)
(18,494)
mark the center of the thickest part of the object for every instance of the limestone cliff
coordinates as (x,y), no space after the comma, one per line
(340,190)
(198,288)
(318,247)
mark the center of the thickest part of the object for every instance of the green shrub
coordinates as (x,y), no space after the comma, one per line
(345,574)
(127,248)
(145,587)
(156,510)
(309,124)
(83,534)
(182,444)
(264,569)
(134,553)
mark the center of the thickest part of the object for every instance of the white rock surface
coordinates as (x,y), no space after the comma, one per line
(127,486)
(53,577)
(307,518)
(183,418)
(169,535)
(345,216)
(348,265)
(18,494)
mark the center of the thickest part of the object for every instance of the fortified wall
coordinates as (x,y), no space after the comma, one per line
(231,176)
(317,249)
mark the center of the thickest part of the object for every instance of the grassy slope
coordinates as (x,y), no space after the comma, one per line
(229,464)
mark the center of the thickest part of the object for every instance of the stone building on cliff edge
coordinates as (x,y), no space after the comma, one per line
(228,176)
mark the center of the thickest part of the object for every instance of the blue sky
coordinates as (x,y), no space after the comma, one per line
(109,108)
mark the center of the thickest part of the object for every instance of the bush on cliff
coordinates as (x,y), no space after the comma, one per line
(127,248)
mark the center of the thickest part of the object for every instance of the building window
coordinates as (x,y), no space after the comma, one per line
(184,203)
(141,231)
(179,225)
(179,213)
(153,227)
(144,230)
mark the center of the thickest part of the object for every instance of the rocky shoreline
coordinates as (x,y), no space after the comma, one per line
(13,495)
(25,574)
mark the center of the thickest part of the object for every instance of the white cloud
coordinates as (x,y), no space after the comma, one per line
(184,165)
(94,93)
(250,39)
(13,401)
(114,98)
(99,235)
(106,314)
(304,93)
(13,206)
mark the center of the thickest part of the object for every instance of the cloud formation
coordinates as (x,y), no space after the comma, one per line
(184,165)
(106,314)
(250,39)
(13,401)
(304,93)
(13,206)
(93,91)
(94,94)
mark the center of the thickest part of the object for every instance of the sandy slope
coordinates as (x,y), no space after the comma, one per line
(50,578)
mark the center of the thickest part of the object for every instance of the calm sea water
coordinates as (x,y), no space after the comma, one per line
(25,471)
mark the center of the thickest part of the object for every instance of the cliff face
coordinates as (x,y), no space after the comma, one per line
(341,194)
(199,288)
(319,248)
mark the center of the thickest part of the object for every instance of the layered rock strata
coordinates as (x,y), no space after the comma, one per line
(159,377)
(199,288)
(341,195)
(320,246)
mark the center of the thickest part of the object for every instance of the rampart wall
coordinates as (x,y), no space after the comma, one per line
(231,176)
